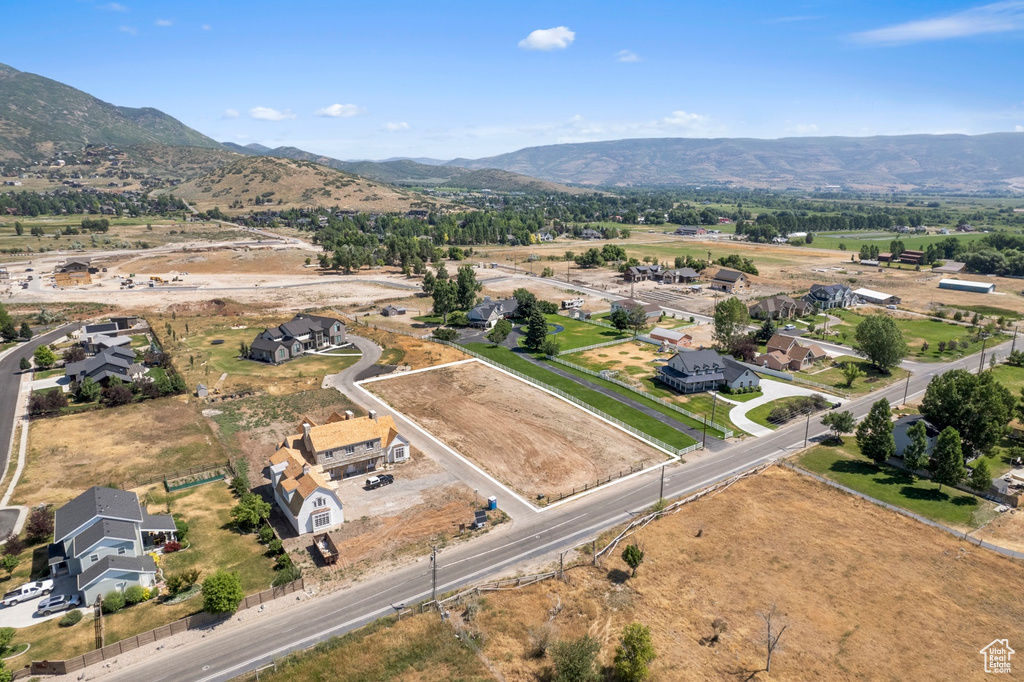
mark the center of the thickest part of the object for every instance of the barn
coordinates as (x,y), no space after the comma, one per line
(965,285)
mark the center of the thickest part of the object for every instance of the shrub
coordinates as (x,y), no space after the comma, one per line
(135,594)
(287,575)
(113,602)
(222,592)
(154,592)
(172,547)
(282,561)
(9,563)
(179,582)
(14,546)
(275,546)
(39,526)
(70,618)
(181,526)
(266,534)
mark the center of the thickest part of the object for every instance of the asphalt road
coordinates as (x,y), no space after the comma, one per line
(540,536)
(10,384)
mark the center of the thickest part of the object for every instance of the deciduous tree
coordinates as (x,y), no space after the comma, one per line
(881,341)
(500,332)
(976,405)
(634,653)
(222,592)
(840,423)
(874,434)
(731,319)
(949,459)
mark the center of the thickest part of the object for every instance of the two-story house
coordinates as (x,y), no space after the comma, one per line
(303,494)
(829,296)
(348,446)
(729,280)
(705,370)
(291,339)
(779,308)
(102,539)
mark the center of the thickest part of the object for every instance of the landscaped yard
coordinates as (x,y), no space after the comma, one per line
(759,414)
(213,545)
(870,380)
(919,330)
(1011,377)
(634,418)
(844,464)
(47,373)
(579,334)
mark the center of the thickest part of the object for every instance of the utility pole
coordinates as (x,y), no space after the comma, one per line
(807,428)
(661,493)
(714,403)
(704,440)
(981,362)
(433,575)
(1013,345)
(561,564)
(906,389)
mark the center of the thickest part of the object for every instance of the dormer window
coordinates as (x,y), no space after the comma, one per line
(319,502)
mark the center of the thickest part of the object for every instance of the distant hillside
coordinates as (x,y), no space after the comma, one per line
(979,162)
(297,184)
(410,172)
(39,116)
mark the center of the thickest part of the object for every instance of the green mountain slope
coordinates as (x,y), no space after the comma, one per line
(39,115)
(993,161)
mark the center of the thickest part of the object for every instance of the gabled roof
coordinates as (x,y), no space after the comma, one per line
(733,370)
(105,529)
(96,502)
(351,431)
(780,342)
(260,343)
(630,303)
(158,523)
(299,479)
(93,367)
(115,562)
(831,290)
(506,306)
(682,272)
(726,275)
(700,359)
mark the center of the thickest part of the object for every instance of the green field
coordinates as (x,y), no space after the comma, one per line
(918,331)
(854,240)
(579,334)
(759,414)
(845,465)
(123,233)
(634,418)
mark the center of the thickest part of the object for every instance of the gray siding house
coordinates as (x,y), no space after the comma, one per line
(829,296)
(705,370)
(291,339)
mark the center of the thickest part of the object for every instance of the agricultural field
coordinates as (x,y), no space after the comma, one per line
(247,260)
(846,465)
(529,440)
(122,446)
(213,545)
(824,552)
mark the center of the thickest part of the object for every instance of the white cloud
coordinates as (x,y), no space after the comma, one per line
(998,17)
(164,22)
(395,127)
(340,111)
(684,119)
(230,113)
(803,129)
(626,56)
(113,7)
(557,38)
(268,114)
(1018,129)
(206,27)
(130,30)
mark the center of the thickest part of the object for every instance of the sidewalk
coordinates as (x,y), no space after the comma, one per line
(771,390)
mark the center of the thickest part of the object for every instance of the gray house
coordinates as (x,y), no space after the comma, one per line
(705,370)
(829,296)
(117,361)
(902,438)
(488,313)
(101,539)
(291,339)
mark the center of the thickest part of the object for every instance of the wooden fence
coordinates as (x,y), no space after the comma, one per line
(199,620)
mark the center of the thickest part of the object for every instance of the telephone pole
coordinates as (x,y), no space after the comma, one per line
(807,428)
(661,493)
(906,389)
(981,362)
(433,575)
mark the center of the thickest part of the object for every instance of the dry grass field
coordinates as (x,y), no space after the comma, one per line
(398,349)
(866,594)
(526,438)
(239,261)
(124,446)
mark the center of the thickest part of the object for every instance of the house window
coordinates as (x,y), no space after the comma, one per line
(329,455)
(322,520)
(349,449)
(400,452)
(94,558)
(122,550)
(319,502)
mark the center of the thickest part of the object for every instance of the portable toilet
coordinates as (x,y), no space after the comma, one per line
(492,503)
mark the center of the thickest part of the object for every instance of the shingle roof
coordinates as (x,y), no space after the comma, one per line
(101,530)
(700,359)
(733,370)
(260,343)
(350,431)
(115,562)
(109,503)
(780,342)
(727,275)
(158,523)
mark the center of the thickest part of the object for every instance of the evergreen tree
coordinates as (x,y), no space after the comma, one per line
(536,330)
(767,331)
(949,459)
(981,478)
(915,456)
(444,298)
(428,282)
(874,434)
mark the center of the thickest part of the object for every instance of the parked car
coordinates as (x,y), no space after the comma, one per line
(891,307)
(789,327)
(374,482)
(59,602)
(26,592)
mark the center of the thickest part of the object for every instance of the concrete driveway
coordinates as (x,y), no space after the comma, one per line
(771,390)
(24,615)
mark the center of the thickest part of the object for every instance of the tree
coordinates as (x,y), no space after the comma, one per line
(500,332)
(466,287)
(976,405)
(881,341)
(573,660)
(915,455)
(116,393)
(634,653)
(851,372)
(44,357)
(840,423)
(444,298)
(637,318)
(428,282)
(251,511)
(24,364)
(874,434)
(39,526)
(981,477)
(536,330)
(88,391)
(551,347)
(449,335)
(74,354)
(772,633)
(767,331)
(525,301)
(949,459)
(25,332)
(633,556)
(6,637)
(619,319)
(731,319)
(222,592)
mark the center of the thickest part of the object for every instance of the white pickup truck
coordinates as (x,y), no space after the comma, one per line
(27,591)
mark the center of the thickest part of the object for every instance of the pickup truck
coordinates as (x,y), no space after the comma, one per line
(26,592)
(374,482)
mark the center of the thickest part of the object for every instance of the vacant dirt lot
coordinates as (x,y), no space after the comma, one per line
(866,594)
(524,437)
(398,349)
(122,446)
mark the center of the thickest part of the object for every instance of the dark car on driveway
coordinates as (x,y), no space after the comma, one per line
(379,481)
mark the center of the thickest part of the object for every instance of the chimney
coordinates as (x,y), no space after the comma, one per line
(373,415)
(305,429)
(306,469)
(348,415)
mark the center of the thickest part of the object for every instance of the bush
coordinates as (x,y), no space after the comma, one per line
(181,526)
(266,534)
(287,575)
(222,592)
(135,595)
(113,602)
(172,547)
(70,618)
(179,582)
(282,561)
(574,659)
(154,592)
(444,334)
(14,546)
(39,526)
(275,546)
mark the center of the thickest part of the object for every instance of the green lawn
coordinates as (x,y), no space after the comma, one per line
(853,241)
(1009,376)
(47,373)
(759,414)
(845,465)
(742,397)
(578,334)
(871,380)
(140,341)
(918,331)
(634,418)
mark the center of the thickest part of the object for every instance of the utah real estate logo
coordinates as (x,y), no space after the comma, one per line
(997,656)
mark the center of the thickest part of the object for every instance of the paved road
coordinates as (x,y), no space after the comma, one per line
(530,537)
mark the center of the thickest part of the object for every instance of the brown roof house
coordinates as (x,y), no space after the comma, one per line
(653,310)
(786,353)
(779,308)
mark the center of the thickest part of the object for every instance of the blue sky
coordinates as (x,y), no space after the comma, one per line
(446,79)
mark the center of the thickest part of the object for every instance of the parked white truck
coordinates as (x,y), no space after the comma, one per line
(27,591)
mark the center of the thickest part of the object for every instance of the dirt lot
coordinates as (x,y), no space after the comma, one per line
(866,594)
(398,349)
(524,437)
(123,446)
(1007,530)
